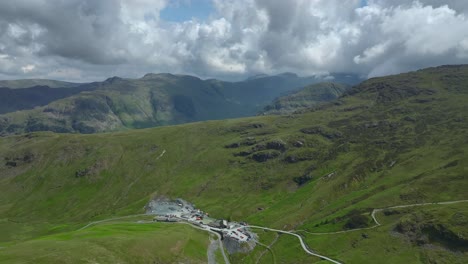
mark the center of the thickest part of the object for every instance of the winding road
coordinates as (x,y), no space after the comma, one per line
(221,246)
(377,223)
(411,205)
(303,244)
(308,251)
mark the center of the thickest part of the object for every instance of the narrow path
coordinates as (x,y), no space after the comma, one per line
(162,154)
(268,248)
(374,217)
(304,246)
(109,219)
(211,252)
(412,205)
(221,246)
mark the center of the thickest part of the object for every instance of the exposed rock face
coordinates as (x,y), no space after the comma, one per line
(298,144)
(233,246)
(291,159)
(11,164)
(303,179)
(19,160)
(318,130)
(249,141)
(233,145)
(81,173)
(265,155)
(306,177)
(277,145)
(92,171)
(421,233)
(243,154)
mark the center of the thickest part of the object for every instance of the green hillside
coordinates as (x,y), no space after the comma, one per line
(154,100)
(26,83)
(389,141)
(306,97)
(116,243)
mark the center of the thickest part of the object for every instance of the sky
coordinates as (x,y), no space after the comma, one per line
(88,40)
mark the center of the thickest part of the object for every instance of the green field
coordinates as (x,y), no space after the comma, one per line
(114,243)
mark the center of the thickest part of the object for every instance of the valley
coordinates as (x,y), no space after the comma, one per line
(154,100)
(321,173)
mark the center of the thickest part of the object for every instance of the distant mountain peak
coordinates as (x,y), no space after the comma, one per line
(150,76)
(263,75)
(113,79)
(288,75)
(257,76)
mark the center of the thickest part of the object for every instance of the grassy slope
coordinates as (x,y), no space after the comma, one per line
(306,97)
(391,246)
(114,243)
(394,140)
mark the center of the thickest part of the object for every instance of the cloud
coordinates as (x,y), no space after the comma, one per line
(412,36)
(28,68)
(85,40)
(372,53)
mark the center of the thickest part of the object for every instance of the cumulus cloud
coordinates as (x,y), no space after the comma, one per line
(85,40)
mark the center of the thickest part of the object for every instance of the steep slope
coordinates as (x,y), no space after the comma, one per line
(154,100)
(263,90)
(12,100)
(389,141)
(306,97)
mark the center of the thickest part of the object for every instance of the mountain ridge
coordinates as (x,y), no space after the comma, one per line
(152,100)
(307,97)
(27,83)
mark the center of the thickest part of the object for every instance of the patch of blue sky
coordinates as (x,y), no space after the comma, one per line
(184,10)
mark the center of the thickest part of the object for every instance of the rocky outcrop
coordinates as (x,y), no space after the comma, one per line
(325,132)
(263,156)
(17,161)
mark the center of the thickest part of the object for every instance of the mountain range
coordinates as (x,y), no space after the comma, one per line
(153,100)
(319,172)
(305,98)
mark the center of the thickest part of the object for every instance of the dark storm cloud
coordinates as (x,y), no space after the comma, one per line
(88,40)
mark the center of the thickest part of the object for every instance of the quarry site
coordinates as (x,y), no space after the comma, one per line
(236,236)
